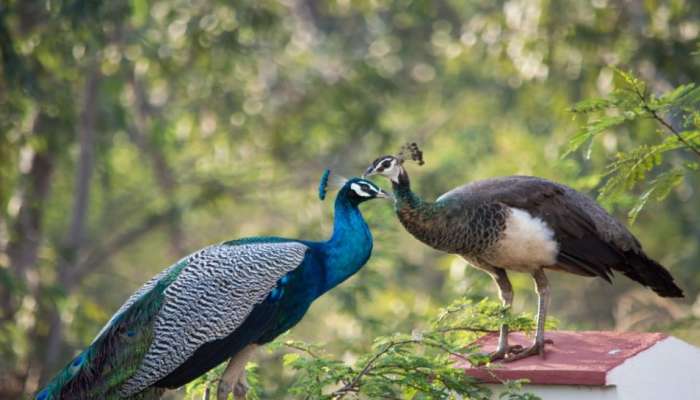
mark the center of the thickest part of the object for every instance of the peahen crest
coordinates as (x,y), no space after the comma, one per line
(411,151)
(323,184)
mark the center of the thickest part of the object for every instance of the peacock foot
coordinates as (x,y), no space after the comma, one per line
(535,349)
(241,390)
(223,389)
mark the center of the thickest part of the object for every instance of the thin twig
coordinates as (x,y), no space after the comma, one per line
(663,122)
(668,126)
(340,393)
(352,386)
(302,349)
(465,329)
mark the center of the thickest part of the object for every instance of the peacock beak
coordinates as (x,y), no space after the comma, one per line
(384,195)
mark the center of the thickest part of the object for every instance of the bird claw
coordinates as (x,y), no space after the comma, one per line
(537,348)
(223,389)
(499,354)
(503,353)
(241,390)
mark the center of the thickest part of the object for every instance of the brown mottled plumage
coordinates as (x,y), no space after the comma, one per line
(525,224)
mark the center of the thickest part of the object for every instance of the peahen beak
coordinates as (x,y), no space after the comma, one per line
(369,172)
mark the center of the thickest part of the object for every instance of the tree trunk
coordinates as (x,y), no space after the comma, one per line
(74,241)
(26,233)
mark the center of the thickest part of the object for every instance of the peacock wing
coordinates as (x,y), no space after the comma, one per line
(203,297)
(209,299)
(116,352)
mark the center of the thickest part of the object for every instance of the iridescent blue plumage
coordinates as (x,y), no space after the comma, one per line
(323,184)
(213,304)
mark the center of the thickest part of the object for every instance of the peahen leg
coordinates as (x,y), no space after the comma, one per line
(233,379)
(542,287)
(505,290)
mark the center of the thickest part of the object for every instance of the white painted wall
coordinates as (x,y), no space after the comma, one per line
(565,392)
(668,370)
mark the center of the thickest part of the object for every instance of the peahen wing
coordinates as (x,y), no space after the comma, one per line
(209,299)
(591,242)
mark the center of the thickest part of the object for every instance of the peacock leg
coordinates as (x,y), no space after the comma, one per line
(505,291)
(233,378)
(241,388)
(542,287)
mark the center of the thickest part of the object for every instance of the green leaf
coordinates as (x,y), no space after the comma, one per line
(591,130)
(591,105)
(659,189)
(678,93)
(290,358)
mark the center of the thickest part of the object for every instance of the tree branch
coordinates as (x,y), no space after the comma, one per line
(100,254)
(163,173)
(668,126)
(663,122)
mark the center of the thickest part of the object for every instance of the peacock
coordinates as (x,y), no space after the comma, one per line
(218,303)
(523,224)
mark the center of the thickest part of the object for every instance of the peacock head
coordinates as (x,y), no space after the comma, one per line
(392,166)
(355,190)
(359,190)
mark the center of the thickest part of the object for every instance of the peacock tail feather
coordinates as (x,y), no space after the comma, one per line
(100,370)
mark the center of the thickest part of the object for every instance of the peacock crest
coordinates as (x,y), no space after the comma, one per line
(323,184)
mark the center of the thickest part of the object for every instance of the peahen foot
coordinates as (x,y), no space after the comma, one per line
(536,348)
(503,353)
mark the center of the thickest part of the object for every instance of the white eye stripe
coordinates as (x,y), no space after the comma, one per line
(358,189)
(386,163)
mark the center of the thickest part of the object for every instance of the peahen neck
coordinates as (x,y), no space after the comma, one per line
(421,218)
(350,246)
(405,198)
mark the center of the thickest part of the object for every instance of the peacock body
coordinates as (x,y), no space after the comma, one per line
(213,304)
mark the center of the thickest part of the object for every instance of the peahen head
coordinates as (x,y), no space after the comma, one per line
(392,166)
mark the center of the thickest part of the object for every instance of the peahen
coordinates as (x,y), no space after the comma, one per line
(217,303)
(523,224)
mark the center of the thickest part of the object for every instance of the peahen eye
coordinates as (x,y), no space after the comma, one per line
(386,164)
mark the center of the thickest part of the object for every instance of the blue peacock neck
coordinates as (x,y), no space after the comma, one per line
(350,246)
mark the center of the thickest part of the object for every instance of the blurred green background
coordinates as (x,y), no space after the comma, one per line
(135,132)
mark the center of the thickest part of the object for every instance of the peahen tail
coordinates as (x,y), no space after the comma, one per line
(650,273)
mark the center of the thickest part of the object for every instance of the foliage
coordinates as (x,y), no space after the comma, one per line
(658,166)
(420,365)
(135,132)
